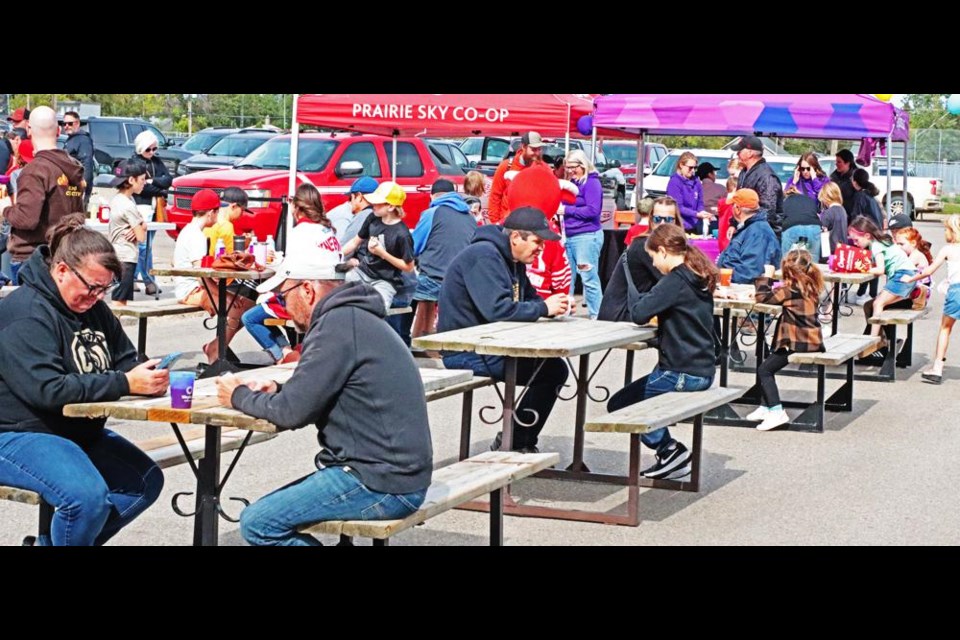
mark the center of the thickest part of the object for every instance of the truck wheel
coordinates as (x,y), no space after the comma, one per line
(898,205)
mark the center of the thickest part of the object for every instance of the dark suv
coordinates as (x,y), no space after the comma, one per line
(227,151)
(113,141)
(202,140)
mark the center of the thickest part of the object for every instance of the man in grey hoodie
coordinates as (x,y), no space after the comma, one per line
(358,383)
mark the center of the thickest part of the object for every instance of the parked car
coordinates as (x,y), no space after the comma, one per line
(201,141)
(923,194)
(625,152)
(449,155)
(113,141)
(655,184)
(331,161)
(227,151)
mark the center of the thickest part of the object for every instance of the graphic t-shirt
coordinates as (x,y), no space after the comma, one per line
(395,238)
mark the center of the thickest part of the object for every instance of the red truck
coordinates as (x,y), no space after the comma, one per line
(331,161)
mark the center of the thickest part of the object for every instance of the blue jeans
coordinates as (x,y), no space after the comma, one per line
(658,382)
(809,231)
(540,396)
(145,260)
(584,249)
(270,338)
(96,489)
(331,493)
(403,324)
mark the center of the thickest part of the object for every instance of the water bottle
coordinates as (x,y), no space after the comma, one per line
(270,244)
(220,249)
(260,253)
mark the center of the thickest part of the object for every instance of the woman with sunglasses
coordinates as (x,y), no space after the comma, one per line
(158,181)
(685,187)
(581,222)
(635,272)
(808,177)
(62,345)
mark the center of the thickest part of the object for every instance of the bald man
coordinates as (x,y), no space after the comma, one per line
(49,188)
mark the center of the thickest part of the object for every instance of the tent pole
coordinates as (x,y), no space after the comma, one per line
(890,178)
(566,144)
(641,155)
(905,172)
(593,151)
(292,178)
(393,171)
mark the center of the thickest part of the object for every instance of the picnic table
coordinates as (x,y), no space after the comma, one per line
(547,338)
(222,365)
(96,225)
(838,279)
(208,411)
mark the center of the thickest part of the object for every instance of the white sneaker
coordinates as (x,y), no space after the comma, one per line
(862,300)
(758,414)
(773,420)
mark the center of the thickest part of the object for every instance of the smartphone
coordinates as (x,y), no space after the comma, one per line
(169,360)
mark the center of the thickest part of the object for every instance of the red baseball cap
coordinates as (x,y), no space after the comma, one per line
(26,150)
(19,115)
(205,200)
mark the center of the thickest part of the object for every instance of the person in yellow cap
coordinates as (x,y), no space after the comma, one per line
(383,249)
(754,244)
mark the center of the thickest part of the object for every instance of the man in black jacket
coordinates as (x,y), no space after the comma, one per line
(357,382)
(487,282)
(80,146)
(759,176)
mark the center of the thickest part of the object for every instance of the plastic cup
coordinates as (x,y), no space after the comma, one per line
(181,389)
(726,275)
(206,262)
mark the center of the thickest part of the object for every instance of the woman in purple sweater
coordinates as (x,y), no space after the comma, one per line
(581,223)
(808,177)
(686,189)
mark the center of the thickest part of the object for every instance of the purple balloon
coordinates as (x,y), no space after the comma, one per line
(585,125)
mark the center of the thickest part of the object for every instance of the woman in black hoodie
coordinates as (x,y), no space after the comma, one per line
(60,344)
(682,301)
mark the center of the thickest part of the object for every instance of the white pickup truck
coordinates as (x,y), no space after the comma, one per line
(923,194)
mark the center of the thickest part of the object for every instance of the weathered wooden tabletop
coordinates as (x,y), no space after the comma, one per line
(200,272)
(543,339)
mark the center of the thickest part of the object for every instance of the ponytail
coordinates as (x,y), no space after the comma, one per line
(71,242)
(674,240)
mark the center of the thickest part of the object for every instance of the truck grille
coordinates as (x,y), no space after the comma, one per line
(182,197)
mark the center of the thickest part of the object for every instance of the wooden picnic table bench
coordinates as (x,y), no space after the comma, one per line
(450,487)
(655,413)
(896,357)
(143,311)
(166,451)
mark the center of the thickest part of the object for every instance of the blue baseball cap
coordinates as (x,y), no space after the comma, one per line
(366,184)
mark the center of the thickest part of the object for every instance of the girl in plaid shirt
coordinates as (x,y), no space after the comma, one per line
(797,331)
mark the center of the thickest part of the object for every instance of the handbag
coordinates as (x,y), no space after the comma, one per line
(848,259)
(236,261)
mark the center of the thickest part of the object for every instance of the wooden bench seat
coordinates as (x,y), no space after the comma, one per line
(164,450)
(142,311)
(452,486)
(466,407)
(902,357)
(649,415)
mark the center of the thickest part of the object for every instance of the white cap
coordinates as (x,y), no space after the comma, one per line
(316,264)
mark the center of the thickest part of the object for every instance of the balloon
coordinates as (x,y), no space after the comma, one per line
(884,96)
(585,125)
(953,104)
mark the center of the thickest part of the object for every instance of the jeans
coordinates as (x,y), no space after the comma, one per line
(403,324)
(768,383)
(584,249)
(96,489)
(792,235)
(540,396)
(145,260)
(332,493)
(658,382)
(270,338)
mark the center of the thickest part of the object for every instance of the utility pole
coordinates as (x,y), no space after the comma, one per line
(189,97)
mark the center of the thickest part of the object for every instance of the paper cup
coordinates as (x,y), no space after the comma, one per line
(181,389)
(726,275)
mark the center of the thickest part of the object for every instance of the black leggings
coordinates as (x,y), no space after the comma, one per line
(768,383)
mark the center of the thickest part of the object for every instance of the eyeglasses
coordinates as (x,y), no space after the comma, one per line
(70,123)
(150,149)
(94,289)
(664,219)
(280,294)
(574,166)
(805,168)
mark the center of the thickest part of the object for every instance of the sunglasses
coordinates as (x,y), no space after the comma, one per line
(692,167)
(94,289)
(805,168)
(150,149)
(70,123)
(664,219)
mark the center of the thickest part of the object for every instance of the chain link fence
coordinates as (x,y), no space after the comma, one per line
(936,153)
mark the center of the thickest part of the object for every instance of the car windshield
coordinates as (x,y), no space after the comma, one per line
(625,153)
(783,169)
(200,142)
(668,165)
(471,146)
(237,145)
(275,154)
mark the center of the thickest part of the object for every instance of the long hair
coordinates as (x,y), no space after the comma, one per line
(674,240)
(800,272)
(912,235)
(473,184)
(830,194)
(811,159)
(862,178)
(863,225)
(307,201)
(951,228)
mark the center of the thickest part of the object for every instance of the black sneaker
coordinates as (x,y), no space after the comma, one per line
(875,359)
(669,459)
(29,541)
(151,289)
(528,449)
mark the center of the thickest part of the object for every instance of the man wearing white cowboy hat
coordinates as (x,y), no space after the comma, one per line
(364,395)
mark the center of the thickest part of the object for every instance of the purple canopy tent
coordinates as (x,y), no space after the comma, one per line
(845,116)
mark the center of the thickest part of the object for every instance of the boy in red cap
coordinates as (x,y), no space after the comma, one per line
(192,245)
